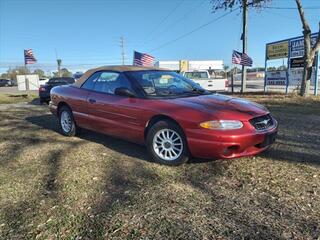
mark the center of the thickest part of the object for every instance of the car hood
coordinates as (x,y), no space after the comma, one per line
(223,107)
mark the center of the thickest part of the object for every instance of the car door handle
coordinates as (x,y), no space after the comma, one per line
(92,101)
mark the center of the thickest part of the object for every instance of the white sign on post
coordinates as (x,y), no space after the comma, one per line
(295,76)
(21,81)
(30,82)
(276,78)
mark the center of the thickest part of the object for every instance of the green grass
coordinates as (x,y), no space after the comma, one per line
(16,98)
(98,187)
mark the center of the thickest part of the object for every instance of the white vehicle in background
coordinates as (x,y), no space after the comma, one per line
(203,78)
(43,81)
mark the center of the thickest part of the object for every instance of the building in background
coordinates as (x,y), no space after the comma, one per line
(213,66)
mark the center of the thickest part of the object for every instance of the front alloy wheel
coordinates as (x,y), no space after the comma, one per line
(167,144)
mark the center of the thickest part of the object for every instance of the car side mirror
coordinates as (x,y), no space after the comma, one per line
(123,91)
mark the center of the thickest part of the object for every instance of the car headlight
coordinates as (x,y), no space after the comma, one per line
(222,124)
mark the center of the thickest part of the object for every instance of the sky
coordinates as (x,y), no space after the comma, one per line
(86,33)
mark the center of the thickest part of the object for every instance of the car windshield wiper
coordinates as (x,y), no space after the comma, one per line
(192,91)
(195,91)
(198,90)
(166,93)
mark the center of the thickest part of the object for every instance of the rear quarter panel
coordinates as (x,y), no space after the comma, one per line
(75,98)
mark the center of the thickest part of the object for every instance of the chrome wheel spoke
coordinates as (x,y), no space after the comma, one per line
(160,138)
(175,148)
(163,152)
(171,135)
(163,135)
(173,152)
(173,140)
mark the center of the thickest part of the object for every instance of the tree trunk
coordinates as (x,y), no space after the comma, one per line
(307,68)
(306,79)
(309,52)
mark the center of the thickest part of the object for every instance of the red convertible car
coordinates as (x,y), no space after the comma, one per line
(173,116)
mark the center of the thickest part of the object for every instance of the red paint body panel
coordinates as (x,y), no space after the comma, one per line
(128,118)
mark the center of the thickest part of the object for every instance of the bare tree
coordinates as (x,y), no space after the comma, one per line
(229,4)
(244,5)
(309,51)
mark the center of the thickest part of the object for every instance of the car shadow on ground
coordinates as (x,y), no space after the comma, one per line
(278,151)
(49,122)
(35,101)
(130,149)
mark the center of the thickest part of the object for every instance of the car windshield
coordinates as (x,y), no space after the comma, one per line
(196,75)
(166,83)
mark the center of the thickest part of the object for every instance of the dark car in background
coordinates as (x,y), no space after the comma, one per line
(77,75)
(44,90)
(5,83)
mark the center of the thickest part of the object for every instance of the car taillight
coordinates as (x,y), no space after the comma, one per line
(42,89)
(226,84)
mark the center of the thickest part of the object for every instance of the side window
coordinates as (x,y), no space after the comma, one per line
(89,83)
(109,81)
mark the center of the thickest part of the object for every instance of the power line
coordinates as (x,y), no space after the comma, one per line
(194,30)
(281,15)
(163,20)
(180,19)
(293,8)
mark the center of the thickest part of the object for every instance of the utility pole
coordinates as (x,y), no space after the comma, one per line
(244,44)
(59,67)
(122,49)
(59,61)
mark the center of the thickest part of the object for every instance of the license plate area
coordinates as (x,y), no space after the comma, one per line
(268,140)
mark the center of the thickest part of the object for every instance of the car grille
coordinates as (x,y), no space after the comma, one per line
(262,122)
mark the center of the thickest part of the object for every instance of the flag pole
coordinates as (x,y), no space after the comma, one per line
(233,75)
(26,80)
(26,77)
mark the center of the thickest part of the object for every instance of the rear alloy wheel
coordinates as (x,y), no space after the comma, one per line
(167,144)
(67,123)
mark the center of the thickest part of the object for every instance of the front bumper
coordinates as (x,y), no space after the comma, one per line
(53,108)
(44,95)
(204,144)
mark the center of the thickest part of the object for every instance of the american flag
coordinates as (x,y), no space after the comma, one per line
(241,59)
(142,59)
(29,57)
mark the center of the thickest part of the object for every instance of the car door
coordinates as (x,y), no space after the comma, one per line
(112,114)
(78,102)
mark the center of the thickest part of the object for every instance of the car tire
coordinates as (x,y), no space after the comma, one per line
(166,143)
(66,121)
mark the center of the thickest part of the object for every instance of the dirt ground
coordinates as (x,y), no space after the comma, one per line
(97,187)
